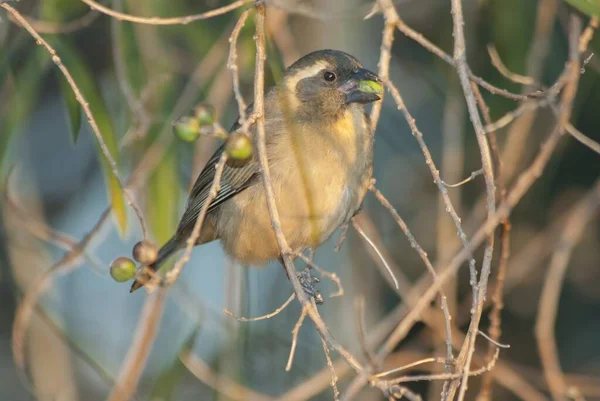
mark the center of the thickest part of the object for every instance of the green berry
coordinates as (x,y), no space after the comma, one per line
(145,252)
(205,114)
(122,269)
(187,129)
(239,147)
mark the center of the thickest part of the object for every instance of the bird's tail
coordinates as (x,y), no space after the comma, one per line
(163,254)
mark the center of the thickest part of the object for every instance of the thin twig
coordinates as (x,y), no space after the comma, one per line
(423,255)
(222,384)
(463,182)
(259,106)
(512,115)
(233,67)
(165,21)
(172,274)
(408,366)
(428,45)
(295,332)
(262,317)
(513,76)
(86,109)
(442,376)
(580,215)
(586,140)
(479,289)
(66,264)
(63,27)
(384,262)
(495,313)
(491,340)
(334,378)
(436,177)
(527,178)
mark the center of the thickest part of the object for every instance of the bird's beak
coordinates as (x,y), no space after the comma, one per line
(363,87)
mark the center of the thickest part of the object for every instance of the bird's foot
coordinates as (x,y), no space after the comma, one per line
(308,281)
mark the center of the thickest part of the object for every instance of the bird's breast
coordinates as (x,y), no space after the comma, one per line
(318,173)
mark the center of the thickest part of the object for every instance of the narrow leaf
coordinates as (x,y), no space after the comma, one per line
(163,197)
(85,80)
(589,7)
(72,108)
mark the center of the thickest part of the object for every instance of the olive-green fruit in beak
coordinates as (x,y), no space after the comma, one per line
(369,86)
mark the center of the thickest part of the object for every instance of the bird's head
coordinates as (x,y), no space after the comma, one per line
(326,82)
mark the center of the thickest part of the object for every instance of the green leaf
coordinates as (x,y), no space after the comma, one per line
(86,82)
(27,77)
(589,7)
(163,197)
(72,108)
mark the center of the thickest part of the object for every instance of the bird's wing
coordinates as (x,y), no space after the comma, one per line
(233,181)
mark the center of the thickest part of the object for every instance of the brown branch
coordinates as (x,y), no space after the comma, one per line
(86,109)
(527,178)
(262,317)
(222,384)
(512,115)
(232,65)
(433,169)
(428,45)
(259,107)
(63,27)
(172,274)
(581,214)
(480,289)
(443,376)
(423,255)
(513,76)
(466,180)
(586,140)
(66,264)
(495,313)
(295,332)
(135,361)
(382,260)
(334,378)
(165,21)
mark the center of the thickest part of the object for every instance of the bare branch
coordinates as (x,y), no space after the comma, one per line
(295,332)
(63,27)
(232,65)
(263,317)
(497,62)
(165,21)
(86,109)
(581,214)
(463,182)
(145,334)
(222,384)
(172,274)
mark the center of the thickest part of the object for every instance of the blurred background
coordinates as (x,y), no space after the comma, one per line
(139,78)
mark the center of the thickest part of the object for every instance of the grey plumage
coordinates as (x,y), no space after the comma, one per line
(319,149)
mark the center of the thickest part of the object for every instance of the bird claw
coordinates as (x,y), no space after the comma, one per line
(308,281)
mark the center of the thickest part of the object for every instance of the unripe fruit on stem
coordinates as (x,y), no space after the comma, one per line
(187,129)
(145,252)
(122,269)
(205,114)
(239,147)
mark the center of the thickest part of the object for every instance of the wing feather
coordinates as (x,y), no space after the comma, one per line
(233,181)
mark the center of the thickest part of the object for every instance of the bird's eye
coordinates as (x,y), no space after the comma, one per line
(329,76)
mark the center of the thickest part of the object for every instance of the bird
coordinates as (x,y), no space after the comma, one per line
(319,147)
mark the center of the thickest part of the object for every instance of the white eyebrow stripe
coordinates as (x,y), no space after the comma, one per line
(308,72)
